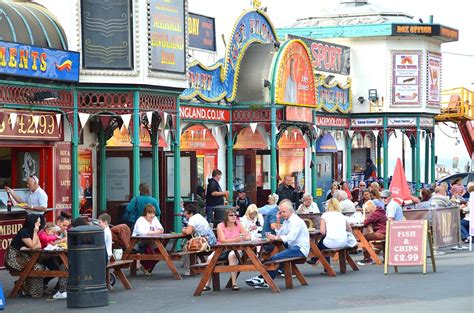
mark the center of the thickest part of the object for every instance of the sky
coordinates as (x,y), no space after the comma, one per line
(458,57)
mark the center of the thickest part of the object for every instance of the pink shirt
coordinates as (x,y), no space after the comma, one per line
(46,239)
(228,232)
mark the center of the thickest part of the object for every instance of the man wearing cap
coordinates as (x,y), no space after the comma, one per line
(36,200)
(392,206)
(242,202)
(376,222)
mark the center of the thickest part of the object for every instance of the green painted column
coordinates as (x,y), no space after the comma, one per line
(413,159)
(385,153)
(314,177)
(155,168)
(102,171)
(177,170)
(417,155)
(379,157)
(427,159)
(273,154)
(136,144)
(348,157)
(74,157)
(230,162)
(433,157)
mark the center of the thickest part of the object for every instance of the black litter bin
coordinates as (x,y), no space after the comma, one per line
(219,212)
(87,261)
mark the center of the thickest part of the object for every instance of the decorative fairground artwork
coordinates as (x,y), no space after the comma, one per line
(295,83)
(335,96)
(434,78)
(406,85)
(167,36)
(253,26)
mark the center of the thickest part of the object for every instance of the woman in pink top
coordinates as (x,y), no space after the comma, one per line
(230,231)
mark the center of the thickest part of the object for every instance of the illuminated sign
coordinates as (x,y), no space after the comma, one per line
(24,60)
(35,125)
(328,57)
(201,32)
(435,30)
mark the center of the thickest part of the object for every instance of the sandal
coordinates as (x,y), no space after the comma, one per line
(206,288)
(145,271)
(235,288)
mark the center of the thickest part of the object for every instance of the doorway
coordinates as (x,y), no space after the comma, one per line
(324,176)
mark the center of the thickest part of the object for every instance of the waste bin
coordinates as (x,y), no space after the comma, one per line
(87,261)
(219,212)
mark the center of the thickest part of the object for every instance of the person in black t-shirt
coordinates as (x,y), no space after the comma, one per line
(286,191)
(214,195)
(242,202)
(16,259)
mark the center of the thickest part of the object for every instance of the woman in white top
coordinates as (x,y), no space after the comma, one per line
(308,205)
(147,225)
(252,221)
(333,228)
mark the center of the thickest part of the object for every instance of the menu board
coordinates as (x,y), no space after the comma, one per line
(167,36)
(406,78)
(63,173)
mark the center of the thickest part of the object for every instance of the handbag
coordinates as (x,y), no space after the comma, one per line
(351,240)
(197,243)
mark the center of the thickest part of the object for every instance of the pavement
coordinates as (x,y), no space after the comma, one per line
(450,289)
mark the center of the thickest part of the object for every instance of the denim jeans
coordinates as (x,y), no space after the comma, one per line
(209,214)
(291,252)
(464,229)
(322,247)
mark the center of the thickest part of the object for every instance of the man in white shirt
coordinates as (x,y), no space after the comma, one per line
(392,206)
(292,232)
(36,200)
(346,205)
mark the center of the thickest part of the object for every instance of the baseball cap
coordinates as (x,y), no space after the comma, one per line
(386,193)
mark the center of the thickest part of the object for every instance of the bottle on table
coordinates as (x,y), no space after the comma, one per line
(9,203)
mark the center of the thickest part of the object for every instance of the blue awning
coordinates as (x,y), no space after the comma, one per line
(326,143)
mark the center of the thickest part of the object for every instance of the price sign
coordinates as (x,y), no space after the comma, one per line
(406,243)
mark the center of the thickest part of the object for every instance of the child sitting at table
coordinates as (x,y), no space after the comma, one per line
(48,235)
(104,221)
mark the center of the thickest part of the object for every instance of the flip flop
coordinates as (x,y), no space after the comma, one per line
(235,288)
(206,288)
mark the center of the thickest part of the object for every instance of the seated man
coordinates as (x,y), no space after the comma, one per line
(346,205)
(440,197)
(376,223)
(393,206)
(293,233)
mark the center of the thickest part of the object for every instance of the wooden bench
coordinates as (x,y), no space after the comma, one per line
(117,266)
(343,256)
(289,265)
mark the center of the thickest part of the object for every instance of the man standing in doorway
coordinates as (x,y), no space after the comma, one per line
(214,195)
(286,190)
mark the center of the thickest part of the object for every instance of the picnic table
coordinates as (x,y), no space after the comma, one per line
(161,242)
(249,262)
(357,230)
(29,272)
(315,236)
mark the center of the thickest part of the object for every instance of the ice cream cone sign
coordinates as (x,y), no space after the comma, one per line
(399,185)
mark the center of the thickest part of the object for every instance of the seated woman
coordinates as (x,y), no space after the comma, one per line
(229,231)
(16,259)
(333,228)
(272,203)
(147,224)
(197,226)
(63,223)
(425,202)
(376,222)
(308,205)
(253,221)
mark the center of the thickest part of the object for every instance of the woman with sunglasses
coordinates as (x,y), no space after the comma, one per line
(230,230)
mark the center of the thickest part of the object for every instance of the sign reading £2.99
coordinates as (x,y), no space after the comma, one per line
(30,61)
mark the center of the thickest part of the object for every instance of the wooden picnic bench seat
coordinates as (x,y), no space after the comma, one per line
(272,265)
(117,266)
(343,256)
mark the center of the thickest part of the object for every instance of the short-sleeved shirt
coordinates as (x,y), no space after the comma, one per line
(17,241)
(37,198)
(336,234)
(142,226)
(201,228)
(394,210)
(212,201)
(229,233)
